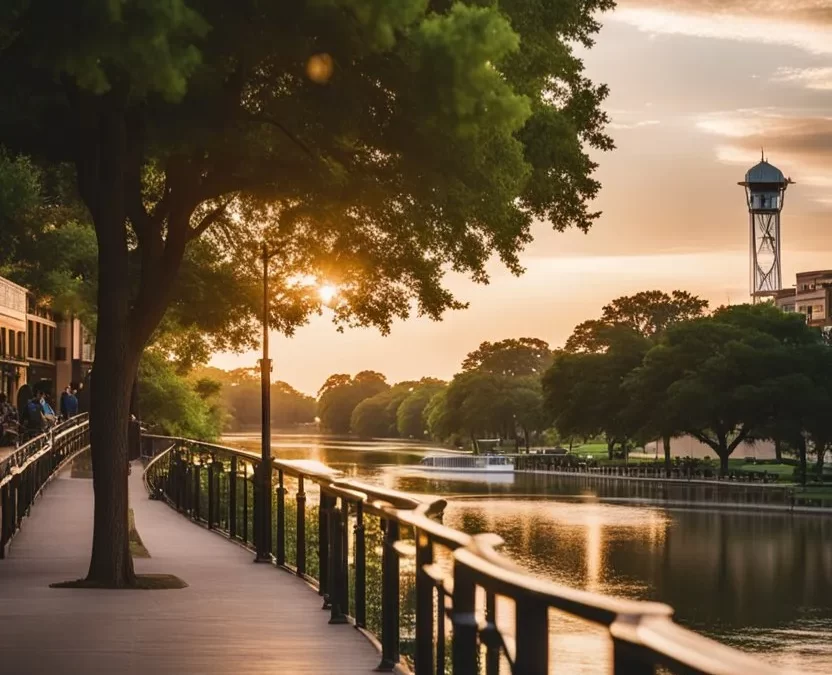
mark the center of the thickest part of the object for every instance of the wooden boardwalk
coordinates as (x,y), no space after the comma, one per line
(235,617)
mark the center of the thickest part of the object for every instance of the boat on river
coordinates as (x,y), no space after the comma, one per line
(490,464)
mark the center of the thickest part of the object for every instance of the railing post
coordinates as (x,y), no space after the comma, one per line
(232,498)
(281,523)
(336,568)
(345,550)
(325,525)
(464,646)
(300,553)
(532,620)
(390,597)
(625,659)
(360,568)
(245,504)
(424,606)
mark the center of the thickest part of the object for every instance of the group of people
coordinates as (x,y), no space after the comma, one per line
(37,416)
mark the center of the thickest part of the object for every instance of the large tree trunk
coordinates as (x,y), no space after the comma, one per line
(821,450)
(101,171)
(666,445)
(610,447)
(778,450)
(109,163)
(110,564)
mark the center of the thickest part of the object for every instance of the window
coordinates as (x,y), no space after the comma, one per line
(37,340)
(31,351)
(3,341)
(51,350)
(11,343)
(21,339)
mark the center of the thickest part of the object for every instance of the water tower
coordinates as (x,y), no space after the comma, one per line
(765,189)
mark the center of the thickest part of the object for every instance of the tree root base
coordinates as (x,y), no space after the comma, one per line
(143,582)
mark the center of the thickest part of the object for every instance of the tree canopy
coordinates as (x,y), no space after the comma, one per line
(340,395)
(648,313)
(514,357)
(712,378)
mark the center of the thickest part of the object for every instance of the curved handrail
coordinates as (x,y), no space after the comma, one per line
(644,634)
(33,447)
(25,473)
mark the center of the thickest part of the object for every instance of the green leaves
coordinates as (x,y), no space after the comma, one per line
(456,58)
(143,46)
(380,20)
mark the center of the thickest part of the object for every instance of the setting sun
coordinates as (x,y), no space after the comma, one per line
(327,292)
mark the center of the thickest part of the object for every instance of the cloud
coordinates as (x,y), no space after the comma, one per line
(633,125)
(798,143)
(811,78)
(806,24)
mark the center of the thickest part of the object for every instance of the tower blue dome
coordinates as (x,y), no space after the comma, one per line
(765,173)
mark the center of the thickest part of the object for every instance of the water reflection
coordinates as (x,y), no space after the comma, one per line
(760,581)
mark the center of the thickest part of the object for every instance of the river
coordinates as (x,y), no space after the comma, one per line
(759,581)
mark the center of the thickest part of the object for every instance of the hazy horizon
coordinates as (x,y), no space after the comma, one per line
(697,88)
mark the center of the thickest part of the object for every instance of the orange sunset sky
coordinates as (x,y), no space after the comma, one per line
(697,87)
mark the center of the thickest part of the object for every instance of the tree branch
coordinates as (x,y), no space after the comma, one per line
(267,119)
(209,219)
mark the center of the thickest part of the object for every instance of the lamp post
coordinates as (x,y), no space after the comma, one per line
(263,504)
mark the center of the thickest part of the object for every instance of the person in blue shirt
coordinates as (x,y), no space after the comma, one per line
(69,403)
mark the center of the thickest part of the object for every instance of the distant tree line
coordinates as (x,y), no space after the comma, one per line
(497,393)
(653,366)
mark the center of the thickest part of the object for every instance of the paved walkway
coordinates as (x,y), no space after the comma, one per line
(234,618)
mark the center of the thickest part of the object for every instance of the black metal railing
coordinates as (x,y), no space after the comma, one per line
(26,471)
(433,598)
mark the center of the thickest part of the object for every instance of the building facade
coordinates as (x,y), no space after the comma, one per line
(13,339)
(38,346)
(810,296)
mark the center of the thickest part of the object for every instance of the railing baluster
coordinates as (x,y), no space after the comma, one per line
(300,553)
(627,658)
(360,568)
(532,632)
(325,525)
(465,645)
(197,491)
(281,519)
(245,504)
(440,631)
(232,498)
(345,550)
(211,495)
(424,605)
(492,649)
(336,568)
(389,597)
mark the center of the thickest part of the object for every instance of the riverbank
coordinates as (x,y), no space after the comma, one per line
(697,492)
